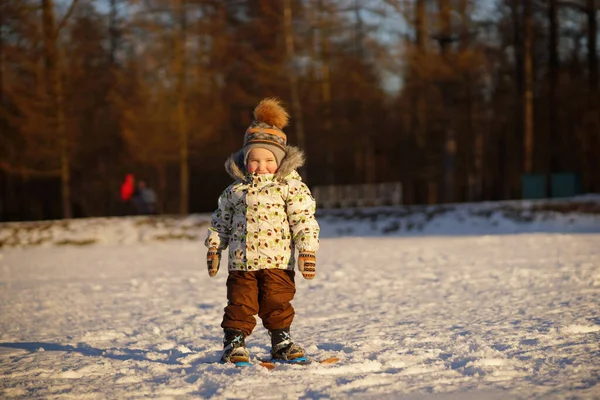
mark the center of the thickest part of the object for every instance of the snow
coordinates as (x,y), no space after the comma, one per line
(573,215)
(411,316)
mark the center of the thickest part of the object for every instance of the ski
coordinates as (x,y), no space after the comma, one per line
(271,364)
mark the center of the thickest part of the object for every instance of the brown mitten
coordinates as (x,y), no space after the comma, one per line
(307,263)
(213,259)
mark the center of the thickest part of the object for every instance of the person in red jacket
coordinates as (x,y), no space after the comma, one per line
(127,188)
(127,193)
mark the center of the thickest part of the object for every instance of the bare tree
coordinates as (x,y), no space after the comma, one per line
(528,74)
(421,34)
(553,70)
(179,67)
(592,44)
(293,76)
(594,100)
(445,38)
(326,97)
(54,76)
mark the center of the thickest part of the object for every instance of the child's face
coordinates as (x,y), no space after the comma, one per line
(261,161)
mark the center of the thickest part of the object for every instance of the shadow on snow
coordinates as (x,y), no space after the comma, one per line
(121,354)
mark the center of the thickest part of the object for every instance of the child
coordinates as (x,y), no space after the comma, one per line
(263,216)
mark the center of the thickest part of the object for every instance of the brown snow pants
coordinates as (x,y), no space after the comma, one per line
(266,292)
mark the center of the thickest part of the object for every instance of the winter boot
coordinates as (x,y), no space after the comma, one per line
(234,347)
(282,347)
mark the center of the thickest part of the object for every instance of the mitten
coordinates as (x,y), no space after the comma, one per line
(213,259)
(307,261)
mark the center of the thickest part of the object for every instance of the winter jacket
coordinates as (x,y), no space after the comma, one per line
(264,218)
(127,188)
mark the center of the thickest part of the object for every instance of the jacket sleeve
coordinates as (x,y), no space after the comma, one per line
(300,206)
(219,231)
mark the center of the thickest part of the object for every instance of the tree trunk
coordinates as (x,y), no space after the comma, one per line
(179,61)
(365,171)
(4,178)
(420,24)
(55,87)
(432,192)
(514,138)
(419,109)
(111,162)
(593,181)
(326,96)
(161,170)
(370,161)
(445,20)
(2,124)
(464,26)
(450,145)
(65,170)
(592,43)
(1,73)
(450,149)
(113,31)
(474,133)
(553,143)
(293,77)
(417,105)
(528,74)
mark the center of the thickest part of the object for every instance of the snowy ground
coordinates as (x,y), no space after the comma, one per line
(579,214)
(453,317)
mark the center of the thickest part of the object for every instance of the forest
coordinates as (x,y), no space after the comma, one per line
(459,100)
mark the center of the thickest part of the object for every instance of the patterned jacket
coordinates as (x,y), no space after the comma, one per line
(264,218)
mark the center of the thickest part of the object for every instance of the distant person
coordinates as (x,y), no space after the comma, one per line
(262,217)
(145,199)
(127,195)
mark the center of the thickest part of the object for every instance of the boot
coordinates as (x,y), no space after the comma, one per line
(234,347)
(282,347)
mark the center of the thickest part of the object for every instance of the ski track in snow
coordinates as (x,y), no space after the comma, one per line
(510,316)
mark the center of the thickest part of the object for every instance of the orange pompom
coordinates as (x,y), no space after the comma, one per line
(271,111)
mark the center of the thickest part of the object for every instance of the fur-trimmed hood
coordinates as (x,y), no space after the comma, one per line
(291,162)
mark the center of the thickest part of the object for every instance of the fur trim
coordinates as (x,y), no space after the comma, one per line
(271,111)
(292,161)
(235,166)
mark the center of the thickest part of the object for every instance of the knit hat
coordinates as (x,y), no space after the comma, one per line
(266,130)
